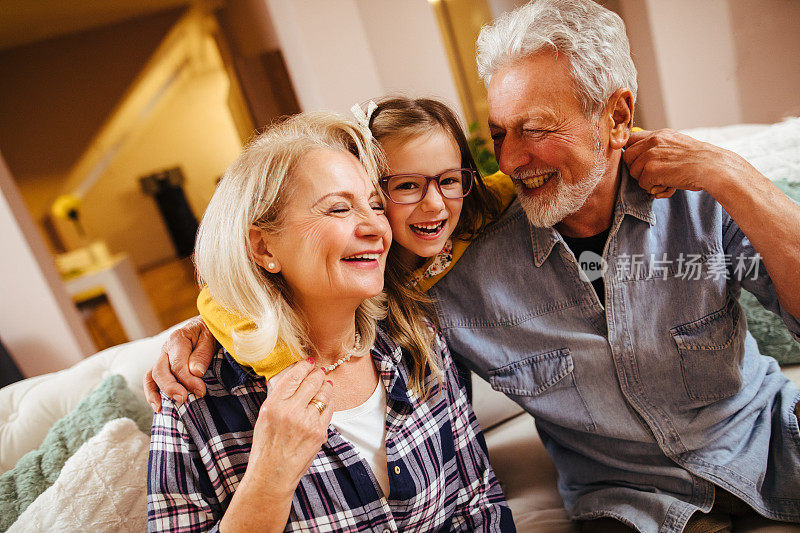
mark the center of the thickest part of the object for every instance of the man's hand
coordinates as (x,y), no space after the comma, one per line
(769,219)
(664,161)
(183,361)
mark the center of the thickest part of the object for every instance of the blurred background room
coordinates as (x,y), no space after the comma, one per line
(117,119)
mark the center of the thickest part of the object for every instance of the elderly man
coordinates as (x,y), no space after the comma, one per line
(646,387)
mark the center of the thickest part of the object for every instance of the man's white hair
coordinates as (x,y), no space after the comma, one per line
(592,37)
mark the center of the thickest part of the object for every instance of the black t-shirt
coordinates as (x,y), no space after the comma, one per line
(589,253)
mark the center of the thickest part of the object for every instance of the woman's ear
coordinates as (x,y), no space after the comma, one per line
(260,250)
(619,114)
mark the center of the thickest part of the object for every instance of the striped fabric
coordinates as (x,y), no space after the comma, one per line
(439,474)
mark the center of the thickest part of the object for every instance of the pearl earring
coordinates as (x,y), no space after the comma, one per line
(271,266)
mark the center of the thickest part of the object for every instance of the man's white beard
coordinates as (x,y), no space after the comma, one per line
(545,211)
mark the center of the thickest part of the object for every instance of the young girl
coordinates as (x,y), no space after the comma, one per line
(436,204)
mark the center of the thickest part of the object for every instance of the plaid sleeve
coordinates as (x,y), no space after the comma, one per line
(175,499)
(480,503)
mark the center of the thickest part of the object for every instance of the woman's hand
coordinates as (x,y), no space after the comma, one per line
(287,436)
(183,361)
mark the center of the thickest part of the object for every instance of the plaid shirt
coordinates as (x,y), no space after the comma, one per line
(439,473)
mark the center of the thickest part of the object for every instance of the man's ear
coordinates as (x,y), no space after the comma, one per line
(260,250)
(619,116)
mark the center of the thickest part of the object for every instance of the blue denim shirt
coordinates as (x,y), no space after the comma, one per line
(647,403)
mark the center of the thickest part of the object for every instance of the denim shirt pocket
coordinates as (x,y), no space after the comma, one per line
(545,378)
(711,350)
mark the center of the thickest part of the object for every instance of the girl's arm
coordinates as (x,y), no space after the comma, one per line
(188,351)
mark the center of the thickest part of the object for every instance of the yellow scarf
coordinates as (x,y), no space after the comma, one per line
(222,322)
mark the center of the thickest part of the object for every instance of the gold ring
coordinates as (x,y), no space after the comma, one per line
(319,404)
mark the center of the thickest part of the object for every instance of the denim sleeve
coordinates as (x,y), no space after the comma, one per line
(746,270)
(480,503)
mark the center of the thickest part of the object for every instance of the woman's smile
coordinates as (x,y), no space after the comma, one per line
(366,260)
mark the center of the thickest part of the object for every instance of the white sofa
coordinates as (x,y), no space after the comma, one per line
(28,409)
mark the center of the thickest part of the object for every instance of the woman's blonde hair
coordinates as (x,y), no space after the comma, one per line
(255,191)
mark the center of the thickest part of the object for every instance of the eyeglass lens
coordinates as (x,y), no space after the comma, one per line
(410,188)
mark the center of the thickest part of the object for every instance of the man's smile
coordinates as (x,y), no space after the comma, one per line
(536,178)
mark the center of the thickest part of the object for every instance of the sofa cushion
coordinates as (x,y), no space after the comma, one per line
(101,487)
(767,328)
(774,149)
(39,468)
(29,408)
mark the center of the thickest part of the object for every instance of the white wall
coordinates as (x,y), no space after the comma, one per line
(767,40)
(340,52)
(326,51)
(38,322)
(696,59)
(710,62)
(715,62)
(408,49)
(649,99)
(498,7)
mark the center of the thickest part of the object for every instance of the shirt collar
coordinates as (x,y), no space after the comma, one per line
(631,200)
(388,355)
(232,374)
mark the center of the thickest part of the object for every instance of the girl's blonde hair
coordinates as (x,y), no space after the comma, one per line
(255,190)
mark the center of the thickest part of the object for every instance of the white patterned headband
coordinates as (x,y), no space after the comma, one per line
(362,117)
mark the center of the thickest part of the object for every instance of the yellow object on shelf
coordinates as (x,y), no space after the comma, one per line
(66,207)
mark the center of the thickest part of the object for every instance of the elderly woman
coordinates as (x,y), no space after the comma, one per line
(295,236)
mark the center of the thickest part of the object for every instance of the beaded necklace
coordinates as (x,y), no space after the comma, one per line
(346,357)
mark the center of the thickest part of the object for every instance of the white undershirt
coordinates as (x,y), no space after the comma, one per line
(365,427)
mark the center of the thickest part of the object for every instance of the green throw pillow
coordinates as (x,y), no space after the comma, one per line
(38,469)
(768,329)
